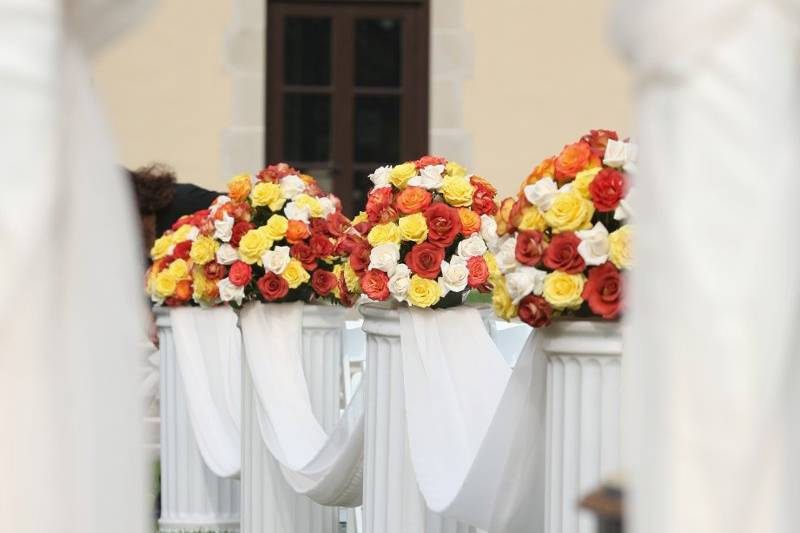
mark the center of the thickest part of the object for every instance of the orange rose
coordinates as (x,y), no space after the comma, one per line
(481,183)
(543,169)
(572,159)
(183,290)
(412,200)
(518,210)
(503,217)
(470,221)
(239,188)
(297,231)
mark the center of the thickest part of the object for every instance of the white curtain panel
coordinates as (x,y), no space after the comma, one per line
(326,468)
(476,426)
(208,349)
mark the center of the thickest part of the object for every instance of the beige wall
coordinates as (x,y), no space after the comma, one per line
(166,91)
(543,75)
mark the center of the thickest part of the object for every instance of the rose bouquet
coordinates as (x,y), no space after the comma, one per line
(565,240)
(423,234)
(276,237)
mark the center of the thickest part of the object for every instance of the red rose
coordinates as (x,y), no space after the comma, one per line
(238,231)
(483,202)
(240,274)
(337,224)
(607,189)
(598,140)
(319,226)
(182,250)
(359,258)
(379,206)
(478,271)
(185,219)
(535,311)
(214,271)
(530,247)
(321,245)
(562,254)
(305,254)
(375,284)
(603,291)
(274,173)
(240,210)
(425,259)
(346,244)
(272,286)
(345,296)
(444,224)
(323,282)
(428,160)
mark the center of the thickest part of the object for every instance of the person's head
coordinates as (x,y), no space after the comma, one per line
(154,189)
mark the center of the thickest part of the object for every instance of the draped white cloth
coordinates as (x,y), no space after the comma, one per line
(476,427)
(326,468)
(712,422)
(71,456)
(208,349)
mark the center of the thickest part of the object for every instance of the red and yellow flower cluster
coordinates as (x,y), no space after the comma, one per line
(422,234)
(565,239)
(275,237)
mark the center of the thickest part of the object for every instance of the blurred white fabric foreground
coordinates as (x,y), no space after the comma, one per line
(69,282)
(712,369)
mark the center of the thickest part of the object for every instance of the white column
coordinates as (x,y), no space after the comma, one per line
(392,501)
(192,497)
(583,417)
(269,505)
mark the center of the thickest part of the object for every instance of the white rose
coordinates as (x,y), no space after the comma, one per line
(594,244)
(385,257)
(399,282)
(219,202)
(227,254)
(472,246)
(542,193)
(620,154)
(230,292)
(429,177)
(275,260)
(506,256)
(291,186)
(193,234)
(292,211)
(454,275)
(489,232)
(380,178)
(327,205)
(624,210)
(224,228)
(524,281)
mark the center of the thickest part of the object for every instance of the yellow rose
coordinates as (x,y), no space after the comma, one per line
(563,291)
(253,245)
(583,179)
(502,303)
(268,194)
(165,284)
(454,169)
(276,227)
(400,174)
(314,207)
(413,228)
(204,250)
(457,191)
(179,269)
(161,247)
(423,292)
(294,274)
(383,233)
(359,218)
(569,212)
(491,264)
(532,219)
(204,288)
(351,279)
(619,247)
(182,233)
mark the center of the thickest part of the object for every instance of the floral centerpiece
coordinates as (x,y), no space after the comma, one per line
(424,234)
(565,239)
(275,237)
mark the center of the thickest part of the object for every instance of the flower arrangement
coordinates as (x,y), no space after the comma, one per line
(276,237)
(565,240)
(423,235)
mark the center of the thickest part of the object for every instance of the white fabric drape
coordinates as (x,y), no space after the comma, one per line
(476,427)
(712,421)
(208,349)
(326,468)
(71,456)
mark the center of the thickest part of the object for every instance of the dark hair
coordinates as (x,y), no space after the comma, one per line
(154,186)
